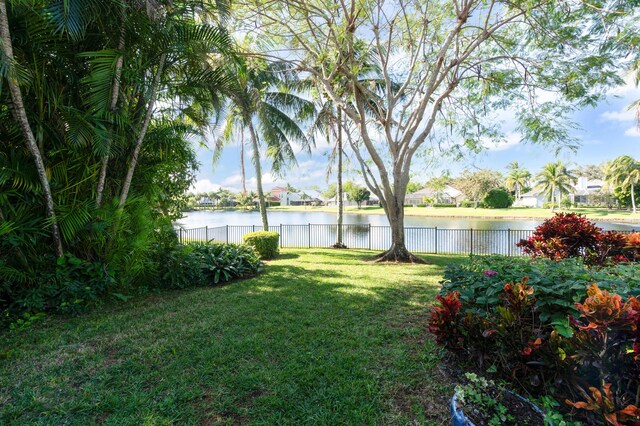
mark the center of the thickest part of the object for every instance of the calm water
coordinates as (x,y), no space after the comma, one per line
(199,219)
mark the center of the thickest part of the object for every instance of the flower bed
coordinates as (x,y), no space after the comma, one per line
(568,328)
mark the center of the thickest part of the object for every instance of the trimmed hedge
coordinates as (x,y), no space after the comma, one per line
(265,243)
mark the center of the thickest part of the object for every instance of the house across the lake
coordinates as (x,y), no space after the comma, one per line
(446,195)
(299,198)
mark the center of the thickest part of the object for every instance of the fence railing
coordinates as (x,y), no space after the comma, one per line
(418,239)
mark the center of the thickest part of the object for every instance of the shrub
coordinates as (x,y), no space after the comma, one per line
(62,285)
(498,198)
(571,235)
(558,284)
(223,262)
(601,347)
(265,243)
(178,267)
(565,203)
(444,205)
(421,205)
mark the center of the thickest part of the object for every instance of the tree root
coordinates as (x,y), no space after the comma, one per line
(398,255)
(339,246)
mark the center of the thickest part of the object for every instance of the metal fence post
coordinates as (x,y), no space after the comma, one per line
(436,240)
(227,234)
(509,242)
(369,236)
(309,225)
(471,231)
(281,239)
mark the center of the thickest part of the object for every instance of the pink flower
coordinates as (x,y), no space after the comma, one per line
(489,273)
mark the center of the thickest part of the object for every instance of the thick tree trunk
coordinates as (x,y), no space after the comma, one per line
(394,208)
(398,251)
(633,198)
(115,91)
(143,131)
(339,191)
(256,161)
(20,116)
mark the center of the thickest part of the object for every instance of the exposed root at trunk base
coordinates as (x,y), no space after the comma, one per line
(398,255)
(339,246)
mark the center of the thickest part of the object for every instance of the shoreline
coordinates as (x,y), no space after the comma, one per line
(441,213)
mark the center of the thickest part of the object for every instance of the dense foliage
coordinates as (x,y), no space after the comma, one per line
(114,119)
(593,364)
(498,198)
(265,243)
(570,235)
(558,284)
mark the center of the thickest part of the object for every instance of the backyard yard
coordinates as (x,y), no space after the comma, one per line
(322,337)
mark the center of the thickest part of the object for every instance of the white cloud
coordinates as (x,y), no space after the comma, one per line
(623,115)
(633,132)
(204,185)
(628,90)
(510,140)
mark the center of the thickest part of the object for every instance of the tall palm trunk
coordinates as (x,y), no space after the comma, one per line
(256,162)
(115,91)
(553,198)
(244,176)
(143,131)
(339,236)
(633,198)
(20,116)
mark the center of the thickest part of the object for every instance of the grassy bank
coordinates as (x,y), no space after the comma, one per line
(323,337)
(517,213)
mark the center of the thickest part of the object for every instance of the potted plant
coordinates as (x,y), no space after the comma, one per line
(480,402)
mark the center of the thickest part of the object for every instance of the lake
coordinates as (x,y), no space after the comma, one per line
(197,219)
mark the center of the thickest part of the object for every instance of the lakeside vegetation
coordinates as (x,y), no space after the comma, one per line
(322,334)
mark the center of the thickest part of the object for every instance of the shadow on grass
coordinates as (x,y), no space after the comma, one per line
(305,340)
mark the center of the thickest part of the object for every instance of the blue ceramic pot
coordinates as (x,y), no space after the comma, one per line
(459,419)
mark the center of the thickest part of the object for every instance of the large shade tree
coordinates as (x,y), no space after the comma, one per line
(456,61)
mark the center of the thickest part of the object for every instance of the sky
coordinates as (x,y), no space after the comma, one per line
(605,132)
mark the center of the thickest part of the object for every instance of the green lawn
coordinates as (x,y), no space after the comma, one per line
(323,337)
(510,213)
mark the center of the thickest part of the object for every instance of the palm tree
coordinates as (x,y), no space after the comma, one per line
(260,102)
(555,180)
(517,178)
(20,116)
(624,173)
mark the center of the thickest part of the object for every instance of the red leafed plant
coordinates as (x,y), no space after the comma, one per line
(602,403)
(571,235)
(444,318)
(606,342)
(518,296)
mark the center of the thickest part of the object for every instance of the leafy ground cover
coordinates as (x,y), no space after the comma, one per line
(510,213)
(322,337)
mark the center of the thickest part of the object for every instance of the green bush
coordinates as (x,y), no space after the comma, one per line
(558,284)
(223,262)
(444,205)
(62,285)
(421,205)
(498,198)
(265,243)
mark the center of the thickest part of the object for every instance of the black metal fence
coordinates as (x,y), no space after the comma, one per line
(418,239)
